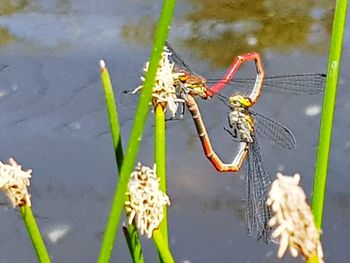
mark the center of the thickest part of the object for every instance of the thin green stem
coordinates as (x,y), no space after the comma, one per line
(328,112)
(130,233)
(162,247)
(136,133)
(313,259)
(133,240)
(34,234)
(112,114)
(160,157)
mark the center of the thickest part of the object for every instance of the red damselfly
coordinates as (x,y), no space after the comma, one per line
(198,86)
(244,124)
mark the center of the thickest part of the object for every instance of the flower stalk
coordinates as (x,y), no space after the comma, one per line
(136,133)
(160,157)
(14,182)
(130,232)
(293,220)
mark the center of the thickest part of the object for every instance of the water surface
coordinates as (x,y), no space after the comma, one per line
(54,120)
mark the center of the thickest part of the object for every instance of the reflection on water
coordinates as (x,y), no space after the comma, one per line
(214,31)
(54,118)
(240,26)
(5,37)
(236,27)
(141,31)
(8,7)
(55,233)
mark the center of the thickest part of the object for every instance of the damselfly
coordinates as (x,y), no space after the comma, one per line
(198,86)
(189,82)
(244,123)
(243,126)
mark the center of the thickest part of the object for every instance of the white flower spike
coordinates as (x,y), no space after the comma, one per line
(145,202)
(164,91)
(14,182)
(292,218)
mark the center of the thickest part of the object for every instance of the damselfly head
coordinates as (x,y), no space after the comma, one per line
(194,85)
(183,76)
(240,101)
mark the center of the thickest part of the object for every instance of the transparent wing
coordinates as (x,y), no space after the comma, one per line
(274,131)
(268,128)
(179,62)
(257,186)
(310,83)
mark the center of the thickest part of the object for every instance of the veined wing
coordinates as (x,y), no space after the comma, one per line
(268,128)
(274,131)
(310,83)
(257,185)
(179,62)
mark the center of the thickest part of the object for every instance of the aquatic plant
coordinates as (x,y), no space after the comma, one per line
(292,219)
(136,135)
(14,182)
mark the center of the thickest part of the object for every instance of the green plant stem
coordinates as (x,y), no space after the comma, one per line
(160,157)
(162,247)
(313,259)
(328,112)
(130,232)
(136,133)
(133,240)
(112,115)
(34,234)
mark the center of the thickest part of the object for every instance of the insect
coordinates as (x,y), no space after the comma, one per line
(243,125)
(189,82)
(196,85)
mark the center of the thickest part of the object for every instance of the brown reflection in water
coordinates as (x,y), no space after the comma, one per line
(221,30)
(64,7)
(5,37)
(235,27)
(141,31)
(8,7)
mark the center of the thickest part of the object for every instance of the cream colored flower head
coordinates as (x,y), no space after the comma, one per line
(14,182)
(145,202)
(164,90)
(292,218)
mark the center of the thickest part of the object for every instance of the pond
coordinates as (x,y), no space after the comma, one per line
(53,120)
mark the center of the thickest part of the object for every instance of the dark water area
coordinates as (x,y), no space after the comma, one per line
(53,120)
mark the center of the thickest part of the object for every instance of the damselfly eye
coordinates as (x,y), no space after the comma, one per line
(183,76)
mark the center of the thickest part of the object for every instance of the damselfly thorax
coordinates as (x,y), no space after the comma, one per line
(240,120)
(193,85)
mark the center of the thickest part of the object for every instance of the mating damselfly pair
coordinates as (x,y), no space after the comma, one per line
(243,123)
